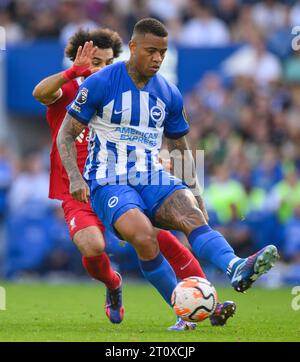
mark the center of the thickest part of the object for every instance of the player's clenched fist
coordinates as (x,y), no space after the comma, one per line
(80,190)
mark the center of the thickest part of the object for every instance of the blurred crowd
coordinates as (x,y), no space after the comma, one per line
(245,117)
(190,22)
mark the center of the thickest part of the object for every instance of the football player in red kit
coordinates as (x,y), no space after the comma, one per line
(90,52)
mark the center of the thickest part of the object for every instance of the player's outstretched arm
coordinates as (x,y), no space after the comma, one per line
(49,89)
(182,148)
(68,132)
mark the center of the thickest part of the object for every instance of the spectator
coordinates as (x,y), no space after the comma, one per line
(268,15)
(165,10)
(280,38)
(138,11)
(225,194)
(29,191)
(6,178)
(285,195)
(268,172)
(13,31)
(228,11)
(211,92)
(292,237)
(23,13)
(253,60)
(291,68)
(293,124)
(63,256)
(73,13)
(45,25)
(238,232)
(295,14)
(204,30)
(244,25)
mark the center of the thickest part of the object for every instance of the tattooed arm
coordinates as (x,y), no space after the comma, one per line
(68,132)
(183,161)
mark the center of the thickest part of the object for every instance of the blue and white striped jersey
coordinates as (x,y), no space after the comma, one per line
(126,123)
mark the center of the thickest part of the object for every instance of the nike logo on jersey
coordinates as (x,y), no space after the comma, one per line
(122,111)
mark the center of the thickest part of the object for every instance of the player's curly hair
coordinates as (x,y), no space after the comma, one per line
(150,26)
(103,38)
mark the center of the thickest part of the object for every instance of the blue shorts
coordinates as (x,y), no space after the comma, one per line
(111,201)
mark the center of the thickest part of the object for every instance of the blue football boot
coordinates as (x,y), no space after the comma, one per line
(245,272)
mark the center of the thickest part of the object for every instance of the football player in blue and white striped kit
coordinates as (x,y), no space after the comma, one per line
(129,107)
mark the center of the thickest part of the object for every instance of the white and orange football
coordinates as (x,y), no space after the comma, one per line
(194,299)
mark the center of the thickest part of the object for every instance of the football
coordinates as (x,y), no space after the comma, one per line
(194,299)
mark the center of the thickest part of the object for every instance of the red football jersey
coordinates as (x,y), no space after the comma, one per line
(59,181)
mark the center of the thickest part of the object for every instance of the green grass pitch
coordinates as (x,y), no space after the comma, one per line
(37,312)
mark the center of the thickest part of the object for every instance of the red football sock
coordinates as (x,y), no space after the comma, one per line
(99,268)
(180,258)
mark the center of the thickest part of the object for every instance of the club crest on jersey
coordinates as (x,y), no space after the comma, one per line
(113,201)
(82,96)
(157,114)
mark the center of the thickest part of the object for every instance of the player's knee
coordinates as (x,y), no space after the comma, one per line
(89,241)
(89,248)
(144,239)
(146,244)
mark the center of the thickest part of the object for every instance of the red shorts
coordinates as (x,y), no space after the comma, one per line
(79,216)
